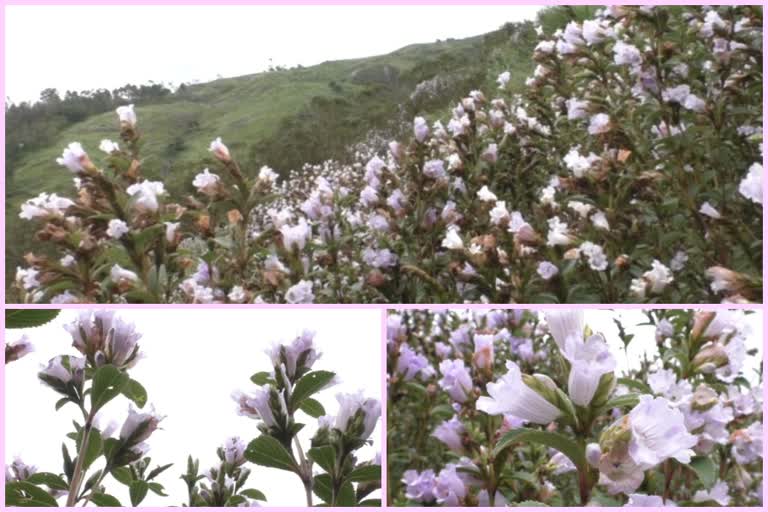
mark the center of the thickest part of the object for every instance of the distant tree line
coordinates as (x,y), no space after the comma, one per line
(30,126)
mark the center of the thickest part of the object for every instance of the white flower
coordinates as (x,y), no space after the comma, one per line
(73,158)
(558,232)
(676,94)
(486,195)
(267,175)
(511,395)
(751,186)
(600,221)
(599,123)
(658,433)
(582,209)
(420,129)
(452,239)
(638,287)
(45,205)
(718,494)
(499,213)
(206,183)
(126,115)
(577,109)
(503,78)
(595,31)
(237,295)
(256,406)
(145,195)
(170,231)
(117,228)
(296,237)
(490,153)
(547,47)
(590,359)
(708,210)
(108,146)
(27,278)
(547,270)
(658,277)
(300,293)
(577,164)
(67,260)
(643,500)
(565,323)
(434,169)
(219,150)
(626,54)
(119,274)
(595,255)
(694,103)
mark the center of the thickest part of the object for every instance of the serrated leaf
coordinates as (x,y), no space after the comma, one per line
(312,407)
(108,382)
(324,456)
(135,392)
(138,491)
(26,318)
(105,500)
(49,479)
(25,494)
(122,475)
(267,451)
(322,487)
(367,473)
(551,439)
(254,494)
(308,385)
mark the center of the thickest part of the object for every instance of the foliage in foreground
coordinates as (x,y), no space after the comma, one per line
(629,171)
(329,469)
(522,408)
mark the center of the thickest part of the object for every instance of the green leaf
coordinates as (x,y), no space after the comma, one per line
(105,500)
(635,384)
(108,382)
(551,439)
(135,392)
(49,479)
(94,448)
(235,501)
(705,469)
(346,497)
(138,491)
(325,457)
(530,503)
(159,469)
(370,503)
(367,473)
(123,475)
(254,494)
(61,403)
(157,488)
(267,451)
(312,407)
(310,384)
(261,378)
(322,487)
(628,400)
(25,318)
(25,494)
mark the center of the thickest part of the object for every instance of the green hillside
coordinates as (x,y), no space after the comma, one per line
(280,118)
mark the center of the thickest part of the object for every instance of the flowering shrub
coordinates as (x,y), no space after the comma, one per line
(505,407)
(329,469)
(629,170)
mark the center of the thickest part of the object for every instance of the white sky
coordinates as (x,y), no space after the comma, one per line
(90,47)
(194,360)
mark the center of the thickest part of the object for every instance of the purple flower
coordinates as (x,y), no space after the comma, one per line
(456,380)
(419,486)
(450,433)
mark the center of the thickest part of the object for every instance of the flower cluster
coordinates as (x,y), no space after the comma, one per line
(511,407)
(627,170)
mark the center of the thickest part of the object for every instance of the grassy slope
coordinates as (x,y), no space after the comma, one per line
(280,118)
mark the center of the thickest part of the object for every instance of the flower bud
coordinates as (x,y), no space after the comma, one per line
(259,405)
(139,426)
(710,357)
(220,151)
(76,159)
(593,454)
(63,372)
(701,321)
(704,398)
(127,117)
(234,451)
(18,349)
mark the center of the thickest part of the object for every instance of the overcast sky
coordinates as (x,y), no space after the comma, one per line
(194,360)
(90,47)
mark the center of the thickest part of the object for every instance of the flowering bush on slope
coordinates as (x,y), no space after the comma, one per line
(329,469)
(513,407)
(628,171)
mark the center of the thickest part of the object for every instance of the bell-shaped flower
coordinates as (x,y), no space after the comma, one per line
(75,158)
(63,371)
(450,433)
(138,426)
(590,360)
(145,195)
(357,415)
(456,380)
(419,486)
(564,323)
(257,405)
(127,116)
(220,151)
(207,183)
(511,394)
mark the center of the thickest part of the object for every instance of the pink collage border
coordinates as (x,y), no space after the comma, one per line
(382,308)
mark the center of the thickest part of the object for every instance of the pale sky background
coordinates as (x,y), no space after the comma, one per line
(194,360)
(90,47)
